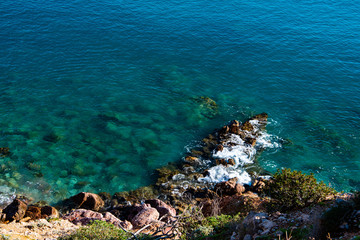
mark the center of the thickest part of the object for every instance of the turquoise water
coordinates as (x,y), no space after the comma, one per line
(96,95)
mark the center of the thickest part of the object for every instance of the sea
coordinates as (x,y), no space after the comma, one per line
(96,95)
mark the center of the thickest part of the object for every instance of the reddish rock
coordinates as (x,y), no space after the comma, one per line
(242,203)
(261,117)
(258,185)
(84,217)
(225,162)
(161,207)
(250,141)
(224,130)
(2,217)
(192,160)
(87,200)
(229,187)
(49,212)
(247,126)
(145,217)
(15,211)
(33,212)
(231,162)
(219,148)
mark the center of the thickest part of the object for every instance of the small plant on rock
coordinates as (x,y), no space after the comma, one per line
(294,189)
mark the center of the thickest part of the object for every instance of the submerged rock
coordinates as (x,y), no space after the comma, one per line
(4,151)
(207,106)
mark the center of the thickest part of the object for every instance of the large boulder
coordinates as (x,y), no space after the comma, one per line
(84,217)
(87,200)
(34,212)
(15,211)
(229,187)
(161,207)
(146,216)
(49,212)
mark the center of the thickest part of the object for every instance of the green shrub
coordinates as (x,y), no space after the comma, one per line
(196,227)
(99,230)
(293,189)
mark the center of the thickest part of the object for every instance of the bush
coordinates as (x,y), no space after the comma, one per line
(293,189)
(196,227)
(98,230)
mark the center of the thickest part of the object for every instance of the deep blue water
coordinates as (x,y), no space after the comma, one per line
(112,85)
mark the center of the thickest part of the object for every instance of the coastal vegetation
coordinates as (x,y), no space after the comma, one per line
(292,189)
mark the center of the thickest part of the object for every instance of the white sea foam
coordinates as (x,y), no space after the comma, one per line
(220,173)
(266,140)
(7,195)
(242,153)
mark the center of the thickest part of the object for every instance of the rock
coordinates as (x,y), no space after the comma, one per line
(15,211)
(145,217)
(231,162)
(87,200)
(234,127)
(255,223)
(262,117)
(161,207)
(219,148)
(51,137)
(247,126)
(224,130)
(117,222)
(2,217)
(208,107)
(266,225)
(230,187)
(4,151)
(192,160)
(247,237)
(84,217)
(225,162)
(258,185)
(251,141)
(33,212)
(49,212)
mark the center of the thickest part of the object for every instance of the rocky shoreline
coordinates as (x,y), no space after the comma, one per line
(211,177)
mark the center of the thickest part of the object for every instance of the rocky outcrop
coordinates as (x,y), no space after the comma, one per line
(229,187)
(145,216)
(34,212)
(15,211)
(257,223)
(199,169)
(161,207)
(84,217)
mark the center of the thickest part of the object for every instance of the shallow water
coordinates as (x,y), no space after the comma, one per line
(96,95)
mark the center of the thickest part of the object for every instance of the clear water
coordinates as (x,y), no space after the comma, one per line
(97,94)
